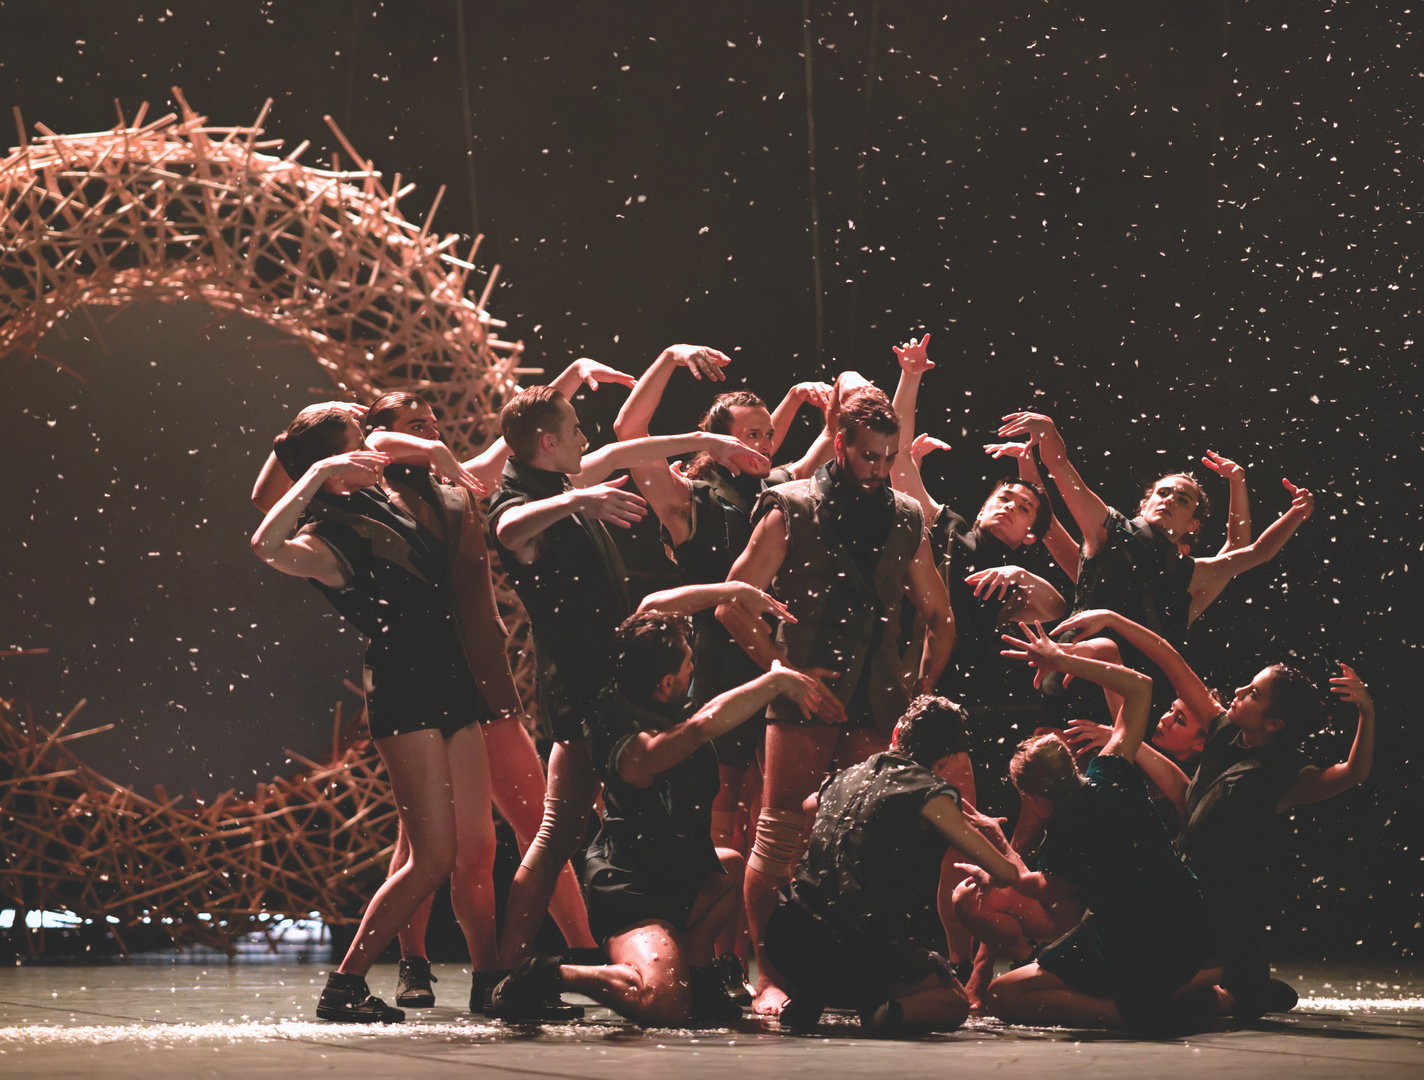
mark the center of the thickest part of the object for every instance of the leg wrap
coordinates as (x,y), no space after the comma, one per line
(780,836)
(558,838)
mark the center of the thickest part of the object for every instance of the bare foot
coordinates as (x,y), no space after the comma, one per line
(976,988)
(770,999)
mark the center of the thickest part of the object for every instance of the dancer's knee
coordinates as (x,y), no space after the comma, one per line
(780,836)
(560,833)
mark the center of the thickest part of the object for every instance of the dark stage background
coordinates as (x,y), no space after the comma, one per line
(1172,227)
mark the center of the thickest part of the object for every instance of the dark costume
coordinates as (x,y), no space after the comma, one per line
(721,512)
(399,594)
(1230,831)
(654,848)
(844,573)
(862,905)
(1144,934)
(575,593)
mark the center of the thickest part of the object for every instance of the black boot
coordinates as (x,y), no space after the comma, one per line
(734,979)
(347,1000)
(413,990)
(482,984)
(531,993)
(712,1006)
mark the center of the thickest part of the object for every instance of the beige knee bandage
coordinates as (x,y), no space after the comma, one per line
(780,836)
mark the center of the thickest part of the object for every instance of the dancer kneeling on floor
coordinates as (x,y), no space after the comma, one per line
(658,891)
(844,931)
(1130,961)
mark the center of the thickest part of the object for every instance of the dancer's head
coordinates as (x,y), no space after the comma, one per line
(1179,735)
(542,430)
(1178,505)
(867,438)
(652,657)
(1016,513)
(317,433)
(402,412)
(1043,770)
(742,415)
(932,729)
(1279,703)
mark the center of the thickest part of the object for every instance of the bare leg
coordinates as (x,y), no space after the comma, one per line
(419,772)
(472,882)
(961,942)
(412,935)
(716,908)
(796,760)
(518,791)
(573,787)
(935,1002)
(1030,995)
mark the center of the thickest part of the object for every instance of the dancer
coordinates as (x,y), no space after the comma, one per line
(842,548)
(562,562)
(845,931)
(1106,849)
(390,577)
(659,891)
(1251,772)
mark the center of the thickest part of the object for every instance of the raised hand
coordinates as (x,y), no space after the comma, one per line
(1002,578)
(1040,650)
(1035,425)
(757,603)
(923,445)
(1302,499)
(1351,688)
(820,394)
(914,356)
(736,455)
(592,373)
(1016,450)
(609,502)
(355,469)
(353,409)
(1087,623)
(1084,736)
(444,462)
(1223,466)
(704,363)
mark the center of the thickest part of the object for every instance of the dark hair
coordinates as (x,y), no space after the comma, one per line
(1043,766)
(1295,701)
(1043,515)
(528,415)
(933,727)
(315,434)
(718,420)
(1203,511)
(646,647)
(868,409)
(382,413)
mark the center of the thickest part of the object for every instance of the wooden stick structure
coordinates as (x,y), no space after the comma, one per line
(175,209)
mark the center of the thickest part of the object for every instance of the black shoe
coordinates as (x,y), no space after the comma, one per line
(712,1006)
(801,1013)
(734,979)
(885,1021)
(1256,997)
(482,984)
(413,984)
(531,993)
(347,1000)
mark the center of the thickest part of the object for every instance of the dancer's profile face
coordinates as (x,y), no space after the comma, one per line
(1250,707)
(869,459)
(752,424)
(568,443)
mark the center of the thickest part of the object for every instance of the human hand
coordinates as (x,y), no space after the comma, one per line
(353,409)
(977,877)
(353,470)
(992,828)
(444,462)
(1084,736)
(702,362)
(756,603)
(923,445)
(1302,499)
(735,455)
(1224,467)
(1040,650)
(823,703)
(1351,687)
(914,356)
(1036,426)
(1002,578)
(1019,451)
(820,394)
(609,502)
(592,373)
(1088,623)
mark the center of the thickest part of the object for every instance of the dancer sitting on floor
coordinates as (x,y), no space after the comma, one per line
(1251,772)
(659,892)
(851,928)
(1130,961)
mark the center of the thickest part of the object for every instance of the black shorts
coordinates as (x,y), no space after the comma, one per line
(738,748)
(617,899)
(405,694)
(1144,963)
(856,973)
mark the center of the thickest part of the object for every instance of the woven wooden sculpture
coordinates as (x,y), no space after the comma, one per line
(177,210)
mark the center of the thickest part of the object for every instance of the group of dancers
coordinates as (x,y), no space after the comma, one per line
(792,761)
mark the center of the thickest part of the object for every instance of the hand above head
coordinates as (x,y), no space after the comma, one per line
(1088,623)
(1084,736)
(444,462)
(914,356)
(1302,499)
(1000,578)
(820,394)
(1016,450)
(1223,466)
(593,373)
(703,362)
(756,603)
(1035,425)
(1040,650)
(735,455)
(1351,687)
(353,409)
(925,444)
(609,502)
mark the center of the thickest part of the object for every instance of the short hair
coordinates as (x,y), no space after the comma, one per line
(1203,510)
(315,434)
(933,727)
(647,647)
(1043,515)
(718,420)
(870,410)
(1295,701)
(528,415)
(1043,766)
(382,413)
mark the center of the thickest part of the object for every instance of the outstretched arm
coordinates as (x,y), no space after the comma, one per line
(1089,512)
(606,460)
(689,599)
(519,527)
(1210,575)
(1060,545)
(1033,599)
(273,481)
(1315,784)
(1201,703)
(945,815)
